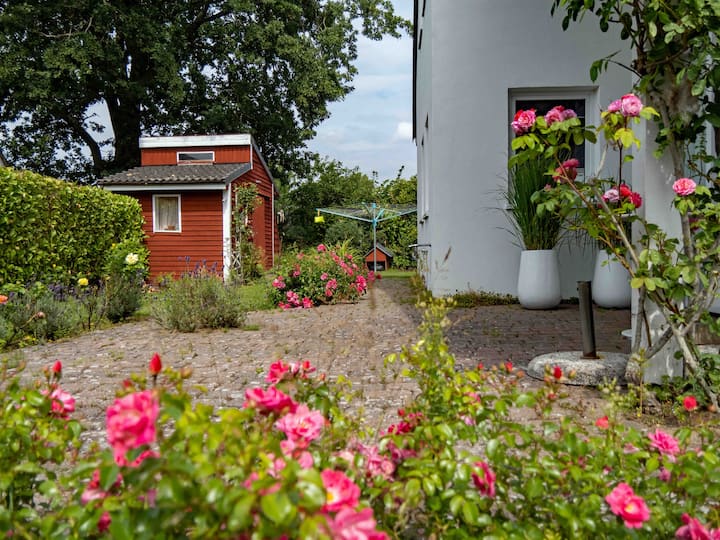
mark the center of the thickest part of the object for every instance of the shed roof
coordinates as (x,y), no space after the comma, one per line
(382,248)
(209,173)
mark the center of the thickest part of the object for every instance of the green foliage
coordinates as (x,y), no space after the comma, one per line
(246,256)
(320,276)
(675,58)
(35,438)
(126,268)
(354,233)
(400,233)
(38,313)
(474,454)
(281,62)
(198,299)
(332,185)
(677,275)
(482,298)
(329,184)
(56,231)
(533,229)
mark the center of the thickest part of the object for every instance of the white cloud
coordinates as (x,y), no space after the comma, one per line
(369,128)
(403,131)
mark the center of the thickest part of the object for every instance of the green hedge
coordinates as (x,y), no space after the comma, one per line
(55,230)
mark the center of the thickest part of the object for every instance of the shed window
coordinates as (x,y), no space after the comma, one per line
(195,157)
(166,213)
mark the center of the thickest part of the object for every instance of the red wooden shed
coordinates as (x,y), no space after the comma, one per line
(185,186)
(379,258)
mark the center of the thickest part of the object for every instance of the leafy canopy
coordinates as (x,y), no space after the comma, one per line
(269,67)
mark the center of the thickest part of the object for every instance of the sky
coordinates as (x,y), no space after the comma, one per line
(372,127)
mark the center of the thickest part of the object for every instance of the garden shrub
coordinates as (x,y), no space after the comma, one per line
(198,299)
(320,276)
(291,463)
(37,313)
(126,268)
(57,231)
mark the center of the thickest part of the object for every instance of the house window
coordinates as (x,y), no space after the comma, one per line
(166,213)
(542,106)
(195,157)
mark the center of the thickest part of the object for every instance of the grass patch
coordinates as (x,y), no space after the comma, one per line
(254,296)
(472,299)
(393,273)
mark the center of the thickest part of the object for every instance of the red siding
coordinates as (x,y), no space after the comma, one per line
(200,239)
(168,156)
(381,257)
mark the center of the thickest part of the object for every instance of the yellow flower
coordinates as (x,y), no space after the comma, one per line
(83,282)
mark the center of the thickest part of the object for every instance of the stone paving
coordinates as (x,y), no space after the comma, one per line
(348,339)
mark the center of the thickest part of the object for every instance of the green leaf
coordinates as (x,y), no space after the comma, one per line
(470,513)
(412,489)
(241,515)
(278,508)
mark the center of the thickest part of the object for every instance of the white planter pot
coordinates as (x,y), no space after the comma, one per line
(611,282)
(539,279)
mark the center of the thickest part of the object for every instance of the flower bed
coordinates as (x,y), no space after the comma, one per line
(292,464)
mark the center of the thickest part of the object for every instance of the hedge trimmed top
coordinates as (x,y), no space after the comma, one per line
(55,231)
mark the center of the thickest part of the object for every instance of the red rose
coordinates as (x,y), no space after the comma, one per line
(155,364)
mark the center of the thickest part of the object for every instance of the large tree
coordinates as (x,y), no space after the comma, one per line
(269,67)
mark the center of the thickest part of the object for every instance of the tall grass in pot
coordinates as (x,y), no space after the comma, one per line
(538,234)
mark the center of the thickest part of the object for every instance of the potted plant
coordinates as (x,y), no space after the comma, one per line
(537,234)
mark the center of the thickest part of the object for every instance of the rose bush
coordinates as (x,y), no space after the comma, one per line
(320,276)
(677,275)
(291,463)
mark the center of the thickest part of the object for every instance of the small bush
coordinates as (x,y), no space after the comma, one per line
(198,300)
(126,268)
(37,313)
(482,298)
(321,276)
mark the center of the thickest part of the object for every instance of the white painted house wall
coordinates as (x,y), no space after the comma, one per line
(473,57)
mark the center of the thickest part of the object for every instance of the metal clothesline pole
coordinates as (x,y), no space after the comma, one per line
(375,213)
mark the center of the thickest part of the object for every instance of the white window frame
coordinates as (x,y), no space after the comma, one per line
(156,225)
(592,115)
(211,159)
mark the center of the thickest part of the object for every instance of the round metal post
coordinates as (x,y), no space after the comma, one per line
(587,323)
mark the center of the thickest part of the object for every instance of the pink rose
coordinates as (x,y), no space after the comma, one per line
(664,474)
(612,195)
(62,403)
(131,422)
(307,303)
(568,113)
(301,426)
(631,105)
(664,443)
(615,106)
(276,372)
(375,463)
(694,530)
(485,481)
(93,491)
(684,186)
(630,507)
(554,115)
(340,491)
(349,524)
(321,248)
(523,121)
(603,423)
(268,401)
